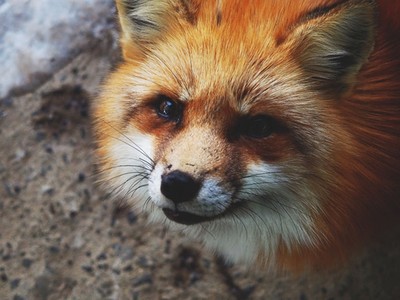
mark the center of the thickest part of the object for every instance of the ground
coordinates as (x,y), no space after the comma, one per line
(62,237)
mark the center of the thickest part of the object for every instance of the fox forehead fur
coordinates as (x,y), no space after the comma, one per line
(268,130)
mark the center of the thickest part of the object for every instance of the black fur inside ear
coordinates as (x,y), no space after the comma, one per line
(333,47)
(143,20)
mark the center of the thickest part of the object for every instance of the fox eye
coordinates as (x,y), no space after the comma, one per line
(168,109)
(259,126)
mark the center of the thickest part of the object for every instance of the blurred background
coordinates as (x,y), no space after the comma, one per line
(61,237)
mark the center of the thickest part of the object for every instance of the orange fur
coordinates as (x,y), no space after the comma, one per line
(223,59)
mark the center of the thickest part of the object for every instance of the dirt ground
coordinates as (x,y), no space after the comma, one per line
(61,237)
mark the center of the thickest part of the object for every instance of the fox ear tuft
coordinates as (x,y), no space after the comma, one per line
(144,22)
(332,46)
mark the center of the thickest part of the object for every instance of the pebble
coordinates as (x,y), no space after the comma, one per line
(143,262)
(26,263)
(47,189)
(49,149)
(128,268)
(20,154)
(15,283)
(54,249)
(101,256)
(81,177)
(144,279)
(103,266)
(6,257)
(88,269)
(132,218)
(40,136)
(116,271)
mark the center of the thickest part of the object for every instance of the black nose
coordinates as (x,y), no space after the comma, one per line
(179,186)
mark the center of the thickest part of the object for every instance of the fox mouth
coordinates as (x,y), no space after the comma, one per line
(186,218)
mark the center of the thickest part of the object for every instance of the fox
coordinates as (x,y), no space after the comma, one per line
(267,130)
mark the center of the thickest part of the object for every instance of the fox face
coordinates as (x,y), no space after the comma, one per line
(250,125)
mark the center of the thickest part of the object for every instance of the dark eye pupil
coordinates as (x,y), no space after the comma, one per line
(169,109)
(259,127)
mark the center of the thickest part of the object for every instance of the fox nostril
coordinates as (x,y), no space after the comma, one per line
(179,186)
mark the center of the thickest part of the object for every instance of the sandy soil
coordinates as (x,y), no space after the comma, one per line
(61,237)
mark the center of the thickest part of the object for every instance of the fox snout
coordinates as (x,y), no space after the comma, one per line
(194,174)
(179,186)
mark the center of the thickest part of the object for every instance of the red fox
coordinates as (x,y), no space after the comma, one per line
(269,130)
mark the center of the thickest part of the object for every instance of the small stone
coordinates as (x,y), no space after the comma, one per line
(103,266)
(20,154)
(132,218)
(116,271)
(47,190)
(144,279)
(17,189)
(15,283)
(81,177)
(101,256)
(26,263)
(6,257)
(143,262)
(18,297)
(128,268)
(40,136)
(194,276)
(54,249)
(65,158)
(88,269)
(48,149)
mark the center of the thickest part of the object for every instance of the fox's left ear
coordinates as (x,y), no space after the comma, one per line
(145,22)
(331,44)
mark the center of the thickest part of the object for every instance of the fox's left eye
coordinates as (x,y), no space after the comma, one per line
(258,126)
(168,109)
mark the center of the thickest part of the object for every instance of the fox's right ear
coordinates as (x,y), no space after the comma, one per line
(144,22)
(331,44)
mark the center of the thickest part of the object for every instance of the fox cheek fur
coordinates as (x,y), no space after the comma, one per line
(270,131)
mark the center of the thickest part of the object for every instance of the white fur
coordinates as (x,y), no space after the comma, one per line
(274,213)
(130,152)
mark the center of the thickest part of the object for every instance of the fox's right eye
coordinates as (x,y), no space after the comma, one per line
(168,109)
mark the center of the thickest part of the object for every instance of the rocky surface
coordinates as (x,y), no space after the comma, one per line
(39,37)
(61,237)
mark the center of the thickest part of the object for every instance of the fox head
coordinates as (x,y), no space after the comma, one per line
(241,123)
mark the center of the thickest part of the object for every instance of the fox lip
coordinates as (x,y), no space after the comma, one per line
(185,218)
